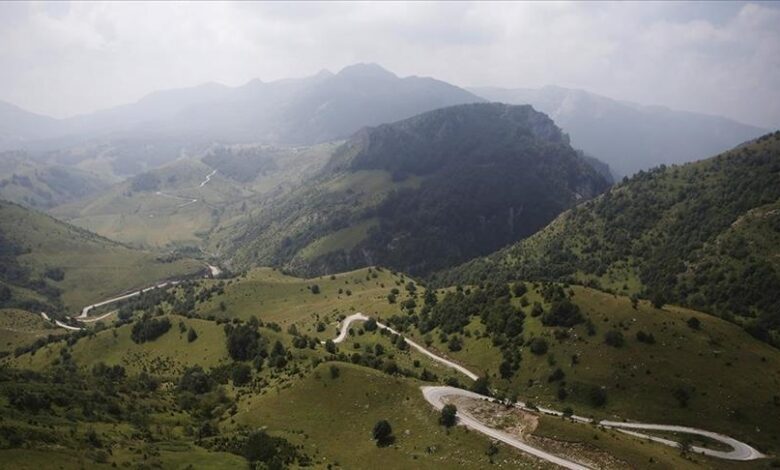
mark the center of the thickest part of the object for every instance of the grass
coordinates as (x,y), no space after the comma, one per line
(18,328)
(344,239)
(275,297)
(94,268)
(731,378)
(167,355)
(332,419)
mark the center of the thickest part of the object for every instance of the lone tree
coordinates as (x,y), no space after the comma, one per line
(448,416)
(383,433)
(330,346)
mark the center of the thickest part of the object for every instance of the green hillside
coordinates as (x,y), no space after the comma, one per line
(43,186)
(422,194)
(46,264)
(705,235)
(180,203)
(193,374)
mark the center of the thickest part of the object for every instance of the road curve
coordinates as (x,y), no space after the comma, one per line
(435,396)
(360,317)
(85,310)
(739,450)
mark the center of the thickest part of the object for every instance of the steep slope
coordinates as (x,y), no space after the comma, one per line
(627,136)
(424,193)
(47,264)
(32,184)
(705,234)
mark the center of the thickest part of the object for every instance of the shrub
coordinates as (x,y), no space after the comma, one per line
(694,323)
(614,338)
(598,397)
(192,335)
(382,433)
(538,346)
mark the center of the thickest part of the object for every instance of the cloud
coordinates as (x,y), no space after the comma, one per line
(719,58)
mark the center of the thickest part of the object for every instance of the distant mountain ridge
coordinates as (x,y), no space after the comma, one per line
(628,137)
(307,110)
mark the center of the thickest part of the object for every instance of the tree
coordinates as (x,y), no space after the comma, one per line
(330,346)
(334,372)
(383,433)
(598,397)
(448,416)
(149,329)
(192,335)
(241,374)
(370,325)
(243,343)
(315,289)
(481,386)
(519,289)
(455,344)
(694,323)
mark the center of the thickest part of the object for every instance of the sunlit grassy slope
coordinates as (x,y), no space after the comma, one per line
(93,267)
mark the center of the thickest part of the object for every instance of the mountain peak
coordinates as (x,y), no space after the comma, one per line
(366,70)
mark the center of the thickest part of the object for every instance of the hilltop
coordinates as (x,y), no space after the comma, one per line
(422,194)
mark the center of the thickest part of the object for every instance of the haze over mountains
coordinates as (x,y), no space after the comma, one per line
(327,106)
(627,136)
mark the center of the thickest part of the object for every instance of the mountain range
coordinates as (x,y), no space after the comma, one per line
(627,136)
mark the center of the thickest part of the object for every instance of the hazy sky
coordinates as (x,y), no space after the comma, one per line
(720,58)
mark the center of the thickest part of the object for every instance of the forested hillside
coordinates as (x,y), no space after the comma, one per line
(424,193)
(704,235)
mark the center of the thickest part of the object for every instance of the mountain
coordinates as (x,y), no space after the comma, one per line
(308,110)
(627,136)
(33,184)
(49,265)
(704,235)
(18,127)
(422,193)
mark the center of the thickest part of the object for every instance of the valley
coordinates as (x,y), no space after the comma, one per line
(363,268)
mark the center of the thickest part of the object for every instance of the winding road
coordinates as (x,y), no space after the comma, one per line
(435,395)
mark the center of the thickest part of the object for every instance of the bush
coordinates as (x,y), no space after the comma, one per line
(382,433)
(481,386)
(557,375)
(694,323)
(538,346)
(315,289)
(330,346)
(646,338)
(598,397)
(192,335)
(455,344)
(614,338)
